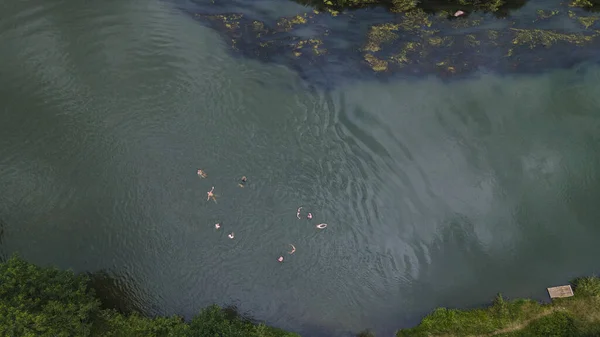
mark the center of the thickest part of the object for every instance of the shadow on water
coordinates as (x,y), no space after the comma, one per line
(232,311)
(3,256)
(120,293)
(116,292)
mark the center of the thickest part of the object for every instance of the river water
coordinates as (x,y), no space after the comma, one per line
(436,193)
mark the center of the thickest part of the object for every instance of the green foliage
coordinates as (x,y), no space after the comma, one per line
(46,302)
(574,316)
(587,286)
(474,322)
(37,301)
(213,322)
(500,306)
(210,322)
(110,323)
(557,324)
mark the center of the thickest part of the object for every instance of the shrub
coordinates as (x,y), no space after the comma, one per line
(42,302)
(587,286)
(557,324)
(111,323)
(214,322)
(47,302)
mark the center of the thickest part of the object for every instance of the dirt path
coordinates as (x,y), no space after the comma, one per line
(523,324)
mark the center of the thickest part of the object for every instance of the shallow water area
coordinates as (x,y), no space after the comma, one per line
(327,47)
(436,193)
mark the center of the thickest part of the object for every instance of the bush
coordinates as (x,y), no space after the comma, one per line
(46,302)
(453,322)
(213,322)
(557,324)
(587,286)
(42,302)
(111,323)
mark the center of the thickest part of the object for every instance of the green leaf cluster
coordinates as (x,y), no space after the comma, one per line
(210,322)
(47,302)
(42,302)
(577,316)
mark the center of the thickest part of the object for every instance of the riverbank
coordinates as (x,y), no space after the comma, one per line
(45,302)
(572,316)
(40,301)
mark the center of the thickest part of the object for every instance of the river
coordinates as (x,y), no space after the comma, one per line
(436,192)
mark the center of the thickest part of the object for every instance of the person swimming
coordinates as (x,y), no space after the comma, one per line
(231,236)
(243,181)
(293,249)
(309,216)
(217,225)
(211,194)
(321,226)
(298,212)
(202,174)
(280,259)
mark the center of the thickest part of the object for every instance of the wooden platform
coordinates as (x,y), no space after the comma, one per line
(560,291)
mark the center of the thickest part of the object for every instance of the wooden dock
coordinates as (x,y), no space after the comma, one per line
(560,291)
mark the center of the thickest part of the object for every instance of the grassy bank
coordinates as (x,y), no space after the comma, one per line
(574,316)
(47,302)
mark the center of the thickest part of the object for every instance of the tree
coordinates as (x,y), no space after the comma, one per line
(44,302)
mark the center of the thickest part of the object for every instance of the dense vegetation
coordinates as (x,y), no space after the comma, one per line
(569,317)
(47,302)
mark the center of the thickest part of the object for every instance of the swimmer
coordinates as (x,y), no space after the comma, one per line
(298,212)
(217,225)
(202,174)
(309,216)
(211,194)
(280,259)
(230,235)
(321,226)
(243,181)
(293,249)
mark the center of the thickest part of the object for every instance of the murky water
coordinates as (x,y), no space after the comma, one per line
(436,193)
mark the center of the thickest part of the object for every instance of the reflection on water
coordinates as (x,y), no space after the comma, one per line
(435,193)
(119,292)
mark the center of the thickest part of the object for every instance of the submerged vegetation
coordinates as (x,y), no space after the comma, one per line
(428,5)
(47,302)
(419,37)
(496,6)
(572,316)
(593,5)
